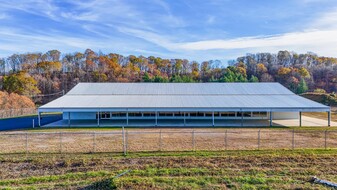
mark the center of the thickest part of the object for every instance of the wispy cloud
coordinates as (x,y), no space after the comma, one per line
(44,8)
(154,38)
(16,41)
(210,19)
(187,29)
(3,16)
(320,41)
(327,20)
(306,38)
(320,37)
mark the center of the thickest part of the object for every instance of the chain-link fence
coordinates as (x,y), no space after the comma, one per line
(17,112)
(165,140)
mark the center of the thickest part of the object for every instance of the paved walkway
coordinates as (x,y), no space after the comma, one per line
(306,121)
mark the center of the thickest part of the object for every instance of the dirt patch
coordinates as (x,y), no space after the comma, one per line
(137,140)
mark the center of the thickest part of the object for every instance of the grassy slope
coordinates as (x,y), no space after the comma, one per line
(119,129)
(322,115)
(282,169)
(326,99)
(323,98)
(33,115)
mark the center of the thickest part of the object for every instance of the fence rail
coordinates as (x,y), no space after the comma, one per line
(8,113)
(125,141)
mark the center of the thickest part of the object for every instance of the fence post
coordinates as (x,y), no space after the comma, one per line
(123,141)
(325,139)
(33,123)
(26,143)
(160,141)
(126,141)
(94,141)
(293,139)
(60,142)
(258,139)
(193,140)
(226,139)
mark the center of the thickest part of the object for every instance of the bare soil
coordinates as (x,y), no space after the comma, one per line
(138,140)
(285,169)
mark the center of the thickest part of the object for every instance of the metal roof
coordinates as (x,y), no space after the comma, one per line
(178,89)
(257,96)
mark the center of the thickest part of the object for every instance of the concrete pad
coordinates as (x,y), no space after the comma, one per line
(306,121)
(161,123)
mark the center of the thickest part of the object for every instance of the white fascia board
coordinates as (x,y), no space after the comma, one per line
(50,110)
(300,109)
(284,109)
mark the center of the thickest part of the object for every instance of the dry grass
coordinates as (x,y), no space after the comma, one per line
(323,115)
(137,140)
(173,170)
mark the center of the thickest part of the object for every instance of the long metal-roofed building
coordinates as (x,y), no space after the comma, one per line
(179,104)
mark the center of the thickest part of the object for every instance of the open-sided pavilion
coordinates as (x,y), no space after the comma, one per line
(179,104)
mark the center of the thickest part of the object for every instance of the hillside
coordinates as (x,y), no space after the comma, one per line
(324,98)
(45,76)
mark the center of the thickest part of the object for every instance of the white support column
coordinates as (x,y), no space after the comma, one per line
(98,116)
(184,119)
(329,118)
(39,118)
(270,119)
(68,119)
(300,117)
(241,118)
(127,118)
(156,118)
(213,118)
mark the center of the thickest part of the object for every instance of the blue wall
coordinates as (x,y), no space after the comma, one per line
(26,122)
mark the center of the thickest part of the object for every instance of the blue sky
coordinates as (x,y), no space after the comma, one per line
(193,29)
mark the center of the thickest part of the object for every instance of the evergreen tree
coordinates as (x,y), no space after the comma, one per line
(146,77)
(176,79)
(302,87)
(253,79)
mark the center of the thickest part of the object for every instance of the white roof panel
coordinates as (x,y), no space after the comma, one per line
(182,95)
(177,88)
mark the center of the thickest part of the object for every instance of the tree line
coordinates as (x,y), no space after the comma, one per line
(31,74)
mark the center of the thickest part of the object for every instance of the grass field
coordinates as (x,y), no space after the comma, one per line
(323,115)
(267,169)
(166,139)
(274,166)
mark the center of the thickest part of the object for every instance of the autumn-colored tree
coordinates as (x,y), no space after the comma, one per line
(14,101)
(292,83)
(261,69)
(49,66)
(21,83)
(99,77)
(195,70)
(54,72)
(283,71)
(266,77)
(304,72)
